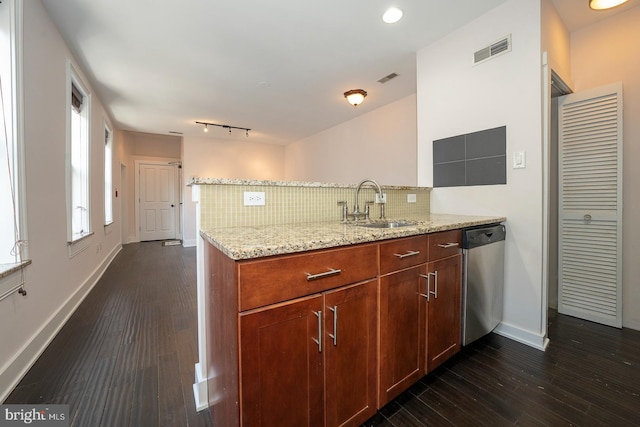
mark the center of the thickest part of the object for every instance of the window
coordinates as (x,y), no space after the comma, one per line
(12,229)
(108,176)
(79,215)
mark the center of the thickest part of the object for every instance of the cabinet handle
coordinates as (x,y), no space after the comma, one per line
(448,245)
(428,277)
(435,286)
(319,340)
(335,325)
(408,254)
(429,291)
(331,272)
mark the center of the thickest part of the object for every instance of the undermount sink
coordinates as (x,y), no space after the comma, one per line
(385,224)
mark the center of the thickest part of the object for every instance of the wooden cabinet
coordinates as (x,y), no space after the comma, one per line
(401,315)
(401,330)
(419,309)
(350,348)
(308,338)
(442,295)
(443,333)
(298,355)
(279,359)
(324,338)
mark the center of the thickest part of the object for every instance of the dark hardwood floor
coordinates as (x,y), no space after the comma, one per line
(588,376)
(126,358)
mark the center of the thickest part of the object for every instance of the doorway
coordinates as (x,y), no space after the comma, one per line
(157,194)
(558,88)
(124,205)
(584,193)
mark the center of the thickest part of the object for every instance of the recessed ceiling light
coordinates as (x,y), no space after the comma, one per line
(392,15)
(605,4)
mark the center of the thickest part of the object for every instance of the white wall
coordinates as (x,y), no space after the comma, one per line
(455,97)
(601,54)
(380,145)
(207,157)
(55,283)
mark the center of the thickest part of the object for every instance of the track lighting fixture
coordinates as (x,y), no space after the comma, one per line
(206,127)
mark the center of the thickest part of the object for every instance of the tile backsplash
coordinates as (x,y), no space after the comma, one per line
(222,202)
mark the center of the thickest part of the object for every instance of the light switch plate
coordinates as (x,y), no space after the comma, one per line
(519,159)
(254,198)
(411,198)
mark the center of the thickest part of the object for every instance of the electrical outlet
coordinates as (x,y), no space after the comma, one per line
(382,199)
(254,198)
(411,198)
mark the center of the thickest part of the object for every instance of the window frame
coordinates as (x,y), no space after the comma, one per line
(74,79)
(16,136)
(108,175)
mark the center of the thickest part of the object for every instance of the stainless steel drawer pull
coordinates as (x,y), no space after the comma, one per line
(408,254)
(319,340)
(448,245)
(428,277)
(331,272)
(335,325)
(429,291)
(435,287)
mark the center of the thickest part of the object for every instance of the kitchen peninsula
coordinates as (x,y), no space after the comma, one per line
(308,320)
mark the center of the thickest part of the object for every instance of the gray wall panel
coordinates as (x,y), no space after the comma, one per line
(450,174)
(486,143)
(449,149)
(478,158)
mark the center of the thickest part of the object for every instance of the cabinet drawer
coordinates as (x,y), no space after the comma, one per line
(444,244)
(403,253)
(278,279)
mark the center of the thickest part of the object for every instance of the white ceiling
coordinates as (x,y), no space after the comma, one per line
(279,67)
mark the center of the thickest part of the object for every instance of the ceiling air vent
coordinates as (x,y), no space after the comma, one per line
(387,78)
(501,46)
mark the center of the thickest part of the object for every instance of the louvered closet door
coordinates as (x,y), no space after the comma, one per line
(590,200)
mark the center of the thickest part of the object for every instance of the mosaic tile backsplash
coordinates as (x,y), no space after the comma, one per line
(298,202)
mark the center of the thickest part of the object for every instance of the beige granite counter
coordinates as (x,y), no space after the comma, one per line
(268,183)
(247,242)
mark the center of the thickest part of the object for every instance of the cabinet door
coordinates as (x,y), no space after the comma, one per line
(443,311)
(281,366)
(402,323)
(350,343)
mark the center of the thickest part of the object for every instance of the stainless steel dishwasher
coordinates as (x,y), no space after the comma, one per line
(483,280)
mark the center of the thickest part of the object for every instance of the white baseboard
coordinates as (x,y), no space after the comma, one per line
(14,370)
(200,390)
(523,336)
(189,243)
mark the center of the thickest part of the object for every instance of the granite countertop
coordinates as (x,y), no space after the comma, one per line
(258,182)
(250,242)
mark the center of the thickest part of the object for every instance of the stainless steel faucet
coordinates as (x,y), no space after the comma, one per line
(356,214)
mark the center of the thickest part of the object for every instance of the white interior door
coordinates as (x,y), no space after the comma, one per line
(157,202)
(590,205)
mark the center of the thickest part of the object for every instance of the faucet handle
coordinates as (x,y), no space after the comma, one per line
(367,208)
(345,209)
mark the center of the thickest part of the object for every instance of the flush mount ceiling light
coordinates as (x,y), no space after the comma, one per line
(392,15)
(605,4)
(355,96)
(206,127)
